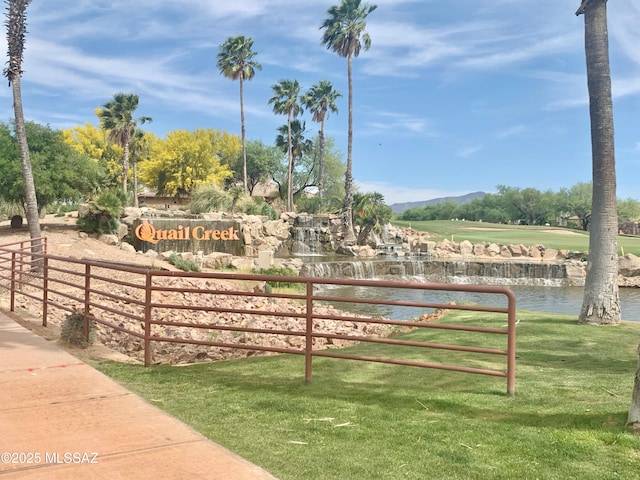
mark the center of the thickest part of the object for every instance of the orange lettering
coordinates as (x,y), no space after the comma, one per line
(198,232)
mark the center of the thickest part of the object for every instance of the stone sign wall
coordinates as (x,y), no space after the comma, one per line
(186,235)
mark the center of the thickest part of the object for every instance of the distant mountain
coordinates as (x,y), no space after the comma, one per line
(401,207)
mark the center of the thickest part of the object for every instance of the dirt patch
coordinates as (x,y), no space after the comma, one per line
(94,353)
(560,231)
(486,229)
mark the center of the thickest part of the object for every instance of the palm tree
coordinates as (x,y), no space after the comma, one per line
(320,99)
(371,214)
(16,31)
(345,34)
(139,146)
(285,102)
(601,302)
(235,61)
(116,116)
(300,146)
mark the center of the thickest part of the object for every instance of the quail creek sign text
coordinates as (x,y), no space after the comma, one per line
(148,233)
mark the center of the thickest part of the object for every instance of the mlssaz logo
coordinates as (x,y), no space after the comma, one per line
(148,233)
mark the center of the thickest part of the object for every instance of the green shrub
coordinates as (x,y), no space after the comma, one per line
(257,206)
(280,271)
(210,198)
(72,332)
(9,209)
(104,213)
(61,209)
(183,264)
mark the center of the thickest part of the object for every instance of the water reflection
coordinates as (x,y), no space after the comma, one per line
(559,300)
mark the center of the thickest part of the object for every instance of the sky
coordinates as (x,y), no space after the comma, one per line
(453,96)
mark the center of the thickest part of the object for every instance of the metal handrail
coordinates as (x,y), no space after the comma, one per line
(92,291)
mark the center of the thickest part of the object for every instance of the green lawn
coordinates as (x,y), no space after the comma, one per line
(550,237)
(372,421)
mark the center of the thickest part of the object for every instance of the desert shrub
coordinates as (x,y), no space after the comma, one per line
(210,198)
(256,206)
(280,271)
(183,264)
(104,213)
(72,332)
(309,204)
(10,209)
(61,209)
(245,204)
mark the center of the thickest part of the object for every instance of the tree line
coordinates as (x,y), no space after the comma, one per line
(528,206)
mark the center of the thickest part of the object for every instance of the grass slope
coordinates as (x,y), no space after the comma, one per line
(550,237)
(371,421)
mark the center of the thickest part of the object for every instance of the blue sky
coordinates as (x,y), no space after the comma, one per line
(453,97)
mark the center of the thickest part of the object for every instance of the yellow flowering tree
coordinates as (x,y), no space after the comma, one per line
(185,160)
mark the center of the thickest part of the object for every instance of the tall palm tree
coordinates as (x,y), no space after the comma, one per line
(299,144)
(285,102)
(320,99)
(16,32)
(139,147)
(601,302)
(116,116)
(345,34)
(235,61)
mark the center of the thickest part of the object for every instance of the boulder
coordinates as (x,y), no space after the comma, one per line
(277,228)
(127,247)
(466,248)
(123,231)
(492,250)
(217,260)
(629,265)
(478,250)
(109,239)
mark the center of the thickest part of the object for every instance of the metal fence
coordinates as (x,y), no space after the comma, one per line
(152,308)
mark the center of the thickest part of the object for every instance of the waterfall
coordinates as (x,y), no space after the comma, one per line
(443,271)
(311,235)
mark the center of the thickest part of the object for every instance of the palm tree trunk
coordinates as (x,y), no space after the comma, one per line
(134,162)
(321,161)
(601,304)
(125,160)
(290,167)
(33,214)
(347,215)
(244,141)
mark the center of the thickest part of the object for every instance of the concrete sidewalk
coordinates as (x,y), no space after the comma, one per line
(62,419)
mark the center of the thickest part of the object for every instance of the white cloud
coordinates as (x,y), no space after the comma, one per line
(624,19)
(468,151)
(399,123)
(512,131)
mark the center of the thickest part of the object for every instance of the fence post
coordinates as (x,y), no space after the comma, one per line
(87,300)
(45,291)
(511,344)
(308,349)
(147,320)
(12,306)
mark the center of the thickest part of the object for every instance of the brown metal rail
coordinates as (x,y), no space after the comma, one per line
(133,304)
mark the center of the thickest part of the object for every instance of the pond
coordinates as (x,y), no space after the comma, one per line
(559,300)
